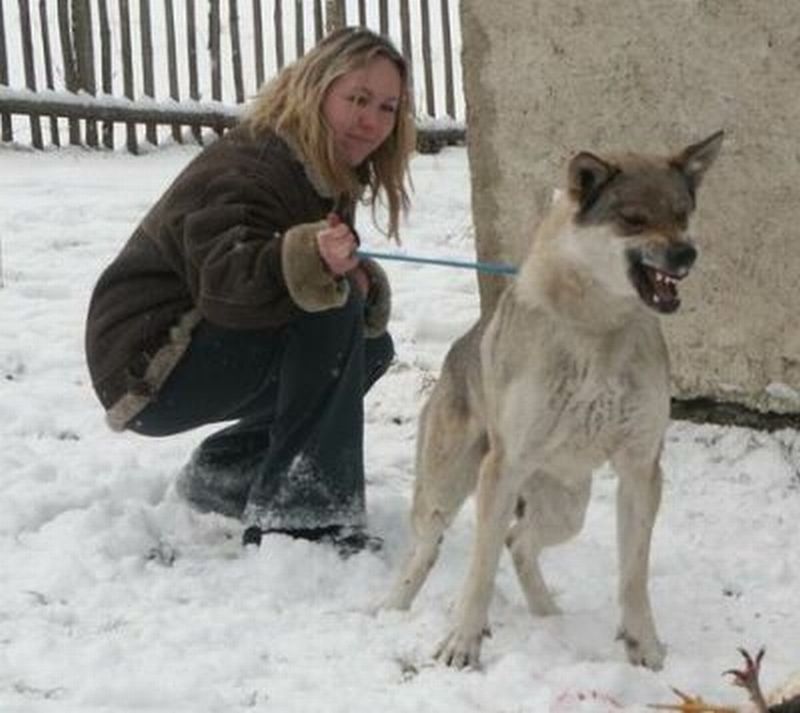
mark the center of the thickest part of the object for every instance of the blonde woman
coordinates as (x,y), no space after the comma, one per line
(239,298)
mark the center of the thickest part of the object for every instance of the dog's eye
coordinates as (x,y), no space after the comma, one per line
(633,221)
(682,220)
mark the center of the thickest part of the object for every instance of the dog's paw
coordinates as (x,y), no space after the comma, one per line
(461,650)
(544,606)
(645,651)
(388,603)
(374,608)
(396,600)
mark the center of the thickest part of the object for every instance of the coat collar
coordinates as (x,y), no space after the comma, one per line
(321,186)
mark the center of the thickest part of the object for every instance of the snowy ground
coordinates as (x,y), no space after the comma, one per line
(95,615)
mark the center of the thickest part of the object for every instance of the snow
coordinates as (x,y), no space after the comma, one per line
(116,597)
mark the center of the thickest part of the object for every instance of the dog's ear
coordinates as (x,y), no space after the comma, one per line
(696,159)
(586,175)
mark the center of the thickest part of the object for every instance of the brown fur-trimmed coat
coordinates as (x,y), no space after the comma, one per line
(231,241)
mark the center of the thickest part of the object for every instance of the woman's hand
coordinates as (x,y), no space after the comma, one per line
(337,246)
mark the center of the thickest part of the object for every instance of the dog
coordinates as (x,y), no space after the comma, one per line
(569,372)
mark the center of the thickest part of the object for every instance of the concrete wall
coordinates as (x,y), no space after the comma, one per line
(546,78)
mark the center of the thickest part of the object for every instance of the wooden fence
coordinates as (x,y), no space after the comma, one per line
(177,72)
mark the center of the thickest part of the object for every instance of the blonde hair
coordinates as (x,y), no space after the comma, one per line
(291,106)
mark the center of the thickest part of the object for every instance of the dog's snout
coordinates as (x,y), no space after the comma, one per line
(681,256)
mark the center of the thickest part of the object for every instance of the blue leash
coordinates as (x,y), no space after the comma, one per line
(497,268)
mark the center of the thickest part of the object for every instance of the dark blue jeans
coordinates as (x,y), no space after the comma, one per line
(293,459)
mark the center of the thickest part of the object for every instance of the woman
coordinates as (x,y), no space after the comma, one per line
(239,297)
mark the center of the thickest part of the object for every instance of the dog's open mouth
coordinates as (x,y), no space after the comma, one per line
(657,289)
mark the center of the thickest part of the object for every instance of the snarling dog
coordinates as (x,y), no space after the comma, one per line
(569,372)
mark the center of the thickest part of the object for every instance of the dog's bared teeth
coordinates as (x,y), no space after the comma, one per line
(665,278)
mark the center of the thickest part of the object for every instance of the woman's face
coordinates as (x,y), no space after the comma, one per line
(360,107)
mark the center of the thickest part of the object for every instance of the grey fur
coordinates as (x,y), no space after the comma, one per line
(570,371)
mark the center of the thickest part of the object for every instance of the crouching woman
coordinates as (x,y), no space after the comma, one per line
(239,297)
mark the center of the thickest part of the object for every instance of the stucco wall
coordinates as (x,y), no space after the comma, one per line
(546,78)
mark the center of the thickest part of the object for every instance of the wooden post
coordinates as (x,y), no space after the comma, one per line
(236,51)
(84,54)
(214,48)
(384,17)
(55,139)
(406,48)
(334,15)
(30,72)
(191,47)
(6,130)
(70,67)
(299,30)
(277,20)
(405,32)
(362,13)
(447,49)
(127,69)
(172,62)
(319,30)
(146,25)
(427,62)
(106,67)
(258,42)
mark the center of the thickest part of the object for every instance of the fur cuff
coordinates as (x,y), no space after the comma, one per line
(310,285)
(379,299)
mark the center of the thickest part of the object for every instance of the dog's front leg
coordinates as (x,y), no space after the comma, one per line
(638,498)
(428,528)
(495,503)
